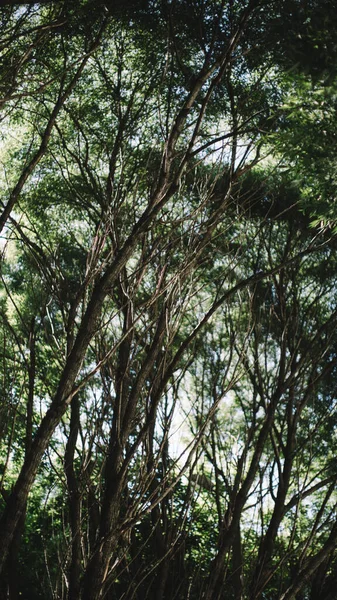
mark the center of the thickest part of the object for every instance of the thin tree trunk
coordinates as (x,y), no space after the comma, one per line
(74,502)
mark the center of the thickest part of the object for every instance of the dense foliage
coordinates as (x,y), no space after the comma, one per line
(168,342)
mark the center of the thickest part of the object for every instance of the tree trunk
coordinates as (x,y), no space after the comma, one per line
(74,502)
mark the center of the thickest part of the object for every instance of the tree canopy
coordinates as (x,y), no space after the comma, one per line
(168,349)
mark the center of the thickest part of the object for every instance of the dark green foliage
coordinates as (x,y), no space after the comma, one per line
(168,342)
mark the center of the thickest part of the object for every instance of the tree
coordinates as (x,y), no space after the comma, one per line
(156,264)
